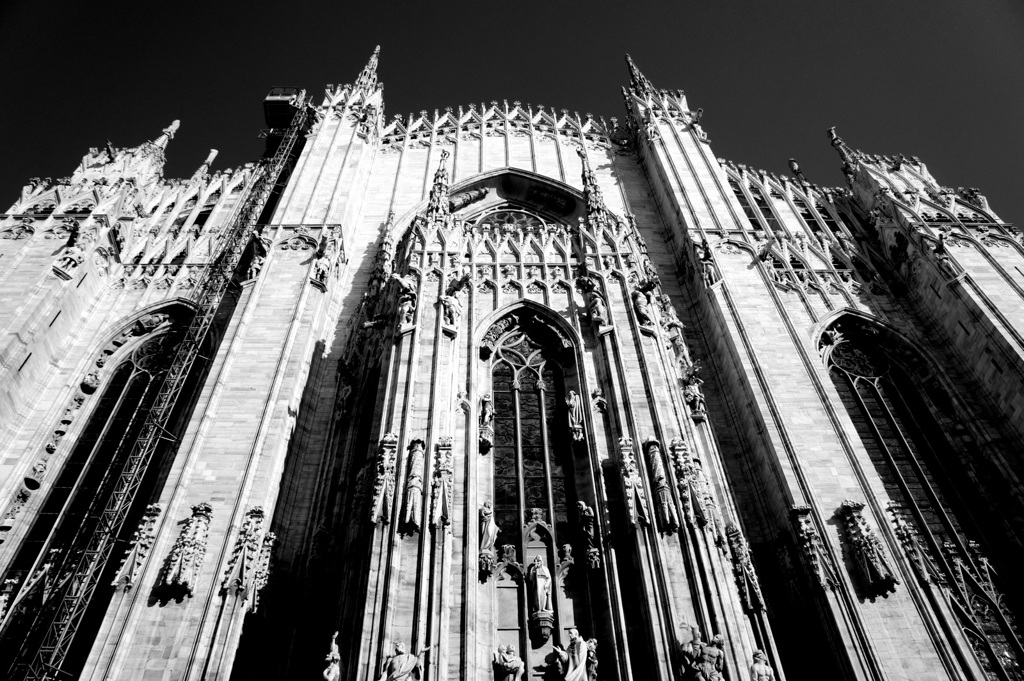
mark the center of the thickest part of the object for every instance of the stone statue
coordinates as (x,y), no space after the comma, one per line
(591,659)
(694,397)
(760,670)
(70,259)
(414,486)
(333,671)
(321,269)
(507,665)
(710,661)
(596,307)
(662,491)
(573,659)
(256,265)
(486,411)
(542,613)
(586,517)
(406,297)
(488,535)
(575,404)
(642,307)
(403,666)
(452,309)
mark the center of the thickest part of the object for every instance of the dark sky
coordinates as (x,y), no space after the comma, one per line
(939,79)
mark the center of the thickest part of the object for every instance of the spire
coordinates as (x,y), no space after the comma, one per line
(367,79)
(203,171)
(437,208)
(596,210)
(166,135)
(845,153)
(638,82)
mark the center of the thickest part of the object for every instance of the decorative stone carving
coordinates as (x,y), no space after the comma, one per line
(665,505)
(642,308)
(692,393)
(90,383)
(575,411)
(633,489)
(818,561)
(442,492)
(597,400)
(406,297)
(384,483)
(189,551)
(488,535)
(873,567)
(507,665)
(573,659)
(542,612)
(486,435)
(238,576)
(403,666)
(71,258)
(743,568)
(588,530)
(760,670)
(414,486)
(138,550)
(333,671)
(704,661)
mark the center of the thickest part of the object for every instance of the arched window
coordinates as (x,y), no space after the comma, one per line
(533,427)
(881,380)
(76,495)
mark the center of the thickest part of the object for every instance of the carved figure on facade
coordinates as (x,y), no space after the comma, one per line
(588,530)
(403,666)
(488,535)
(665,505)
(693,395)
(598,401)
(539,583)
(507,665)
(572,660)
(414,486)
(406,297)
(138,550)
(189,551)
(333,670)
(704,661)
(636,497)
(384,482)
(442,492)
(574,403)
(876,575)
(818,561)
(743,568)
(486,435)
(642,308)
(71,258)
(651,131)
(240,574)
(760,670)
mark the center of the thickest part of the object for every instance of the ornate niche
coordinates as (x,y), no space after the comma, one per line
(533,520)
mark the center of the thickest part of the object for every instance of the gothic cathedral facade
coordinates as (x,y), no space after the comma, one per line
(507,393)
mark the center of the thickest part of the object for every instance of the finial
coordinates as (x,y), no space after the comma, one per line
(367,79)
(437,206)
(167,134)
(209,157)
(637,81)
(844,151)
(795,167)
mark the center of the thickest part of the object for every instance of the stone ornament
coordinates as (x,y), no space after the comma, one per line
(507,665)
(333,671)
(818,561)
(746,578)
(665,505)
(189,551)
(403,666)
(384,482)
(407,297)
(575,409)
(486,436)
(244,572)
(589,532)
(414,486)
(642,308)
(138,550)
(488,535)
(442,491)
(633,489)
(578,660)
(760,670)
(704,661)
(876,575)
(539,587)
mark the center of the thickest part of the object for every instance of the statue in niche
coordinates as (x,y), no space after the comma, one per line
(403,666)
(507,665)
(669,319)
(586,517)
(573,659)
(406,297)
(333,671)
(488,535)
(596,307)
(693,395)
(591,659)
(542,613)
(451,308)
(256,265)
(662,492)
(760,670)
(414,486)
(708,659)
(642,307)
(486,411)
(575,404)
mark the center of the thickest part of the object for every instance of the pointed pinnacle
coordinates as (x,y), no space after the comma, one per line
(167,134)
